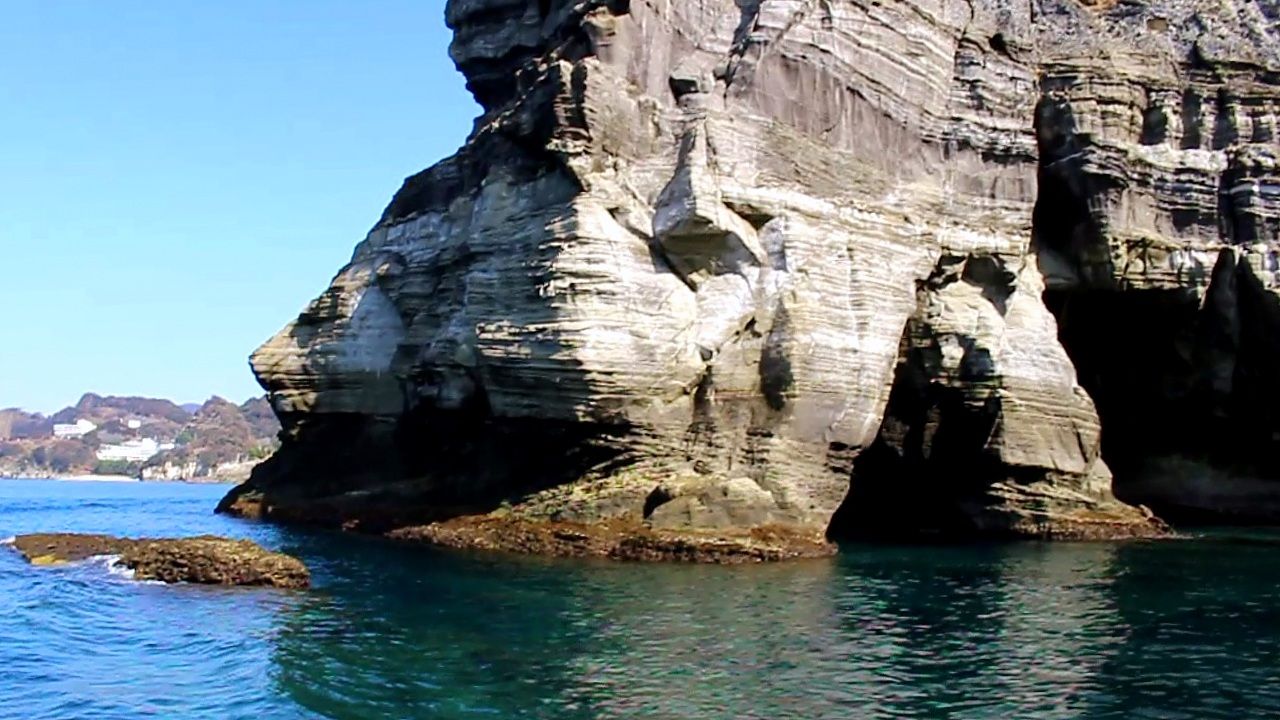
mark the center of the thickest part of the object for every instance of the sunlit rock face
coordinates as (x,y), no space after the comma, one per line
(714,265)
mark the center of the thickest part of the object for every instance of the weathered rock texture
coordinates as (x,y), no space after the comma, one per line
(206,560)
(1156,229)
(714,265)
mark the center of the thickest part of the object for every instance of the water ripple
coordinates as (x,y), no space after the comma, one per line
(1138,630)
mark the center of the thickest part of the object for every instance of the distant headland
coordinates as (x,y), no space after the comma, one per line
(137,437)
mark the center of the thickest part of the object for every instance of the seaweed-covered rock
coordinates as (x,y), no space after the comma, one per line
(207,559)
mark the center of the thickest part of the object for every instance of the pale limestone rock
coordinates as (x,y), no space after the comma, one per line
(692,247)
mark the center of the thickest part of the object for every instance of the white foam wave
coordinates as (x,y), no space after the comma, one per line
(9,540)
(118,569)
(113,566)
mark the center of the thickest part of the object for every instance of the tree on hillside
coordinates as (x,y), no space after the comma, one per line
(64,456)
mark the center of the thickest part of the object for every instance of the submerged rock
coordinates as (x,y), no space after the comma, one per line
(207,559)
(711,266)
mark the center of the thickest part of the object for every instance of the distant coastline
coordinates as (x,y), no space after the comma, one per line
(72,477)
(92,477)
(113,438)
(96,478)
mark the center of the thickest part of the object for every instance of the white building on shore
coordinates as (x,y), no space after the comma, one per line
(133,450)
(79,428)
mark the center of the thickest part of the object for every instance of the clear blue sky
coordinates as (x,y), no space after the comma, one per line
(179,178)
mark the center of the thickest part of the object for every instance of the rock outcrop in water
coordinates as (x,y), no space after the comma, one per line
(205,560)
(708,266)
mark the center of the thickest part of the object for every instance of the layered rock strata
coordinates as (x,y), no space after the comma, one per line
(1157,227)
(709,266)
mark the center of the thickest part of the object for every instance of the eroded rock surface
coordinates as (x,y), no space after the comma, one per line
(713,265)
(1156,228)
(206,560)
(619,540)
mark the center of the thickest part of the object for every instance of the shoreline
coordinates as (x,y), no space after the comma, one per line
(97,478)
(90,477)
(80,477)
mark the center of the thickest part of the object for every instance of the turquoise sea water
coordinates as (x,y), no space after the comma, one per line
(1135,630)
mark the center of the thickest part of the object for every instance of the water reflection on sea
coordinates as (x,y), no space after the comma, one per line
(1124,630)
(1048,631)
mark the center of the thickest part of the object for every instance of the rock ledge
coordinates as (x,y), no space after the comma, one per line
(616,540)
(206,559)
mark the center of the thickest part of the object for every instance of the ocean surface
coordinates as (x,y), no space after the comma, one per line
(1186,629)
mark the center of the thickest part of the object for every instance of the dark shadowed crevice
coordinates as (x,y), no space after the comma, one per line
(1066,233)
(1155,126)
(928,468)
(1135,354)
(776,378)
(373,474)
(1257,397)
(1185,385)
(996,280)
(756,216)
(1190,119)
(998,43)
(1139,353)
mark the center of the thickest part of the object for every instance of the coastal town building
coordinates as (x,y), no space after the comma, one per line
(133,450)
(79,428)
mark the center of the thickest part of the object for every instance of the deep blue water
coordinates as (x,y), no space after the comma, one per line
(1131,630)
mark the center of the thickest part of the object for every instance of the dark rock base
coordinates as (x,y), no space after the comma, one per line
(501,530)
(617,541)
(508,530)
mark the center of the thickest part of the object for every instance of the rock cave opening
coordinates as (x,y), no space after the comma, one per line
(1180,369)
(928,468)
(1171,344)
(1134,353)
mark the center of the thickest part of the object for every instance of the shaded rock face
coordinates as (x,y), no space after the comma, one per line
(1156,227)
(205,560)
(714,265)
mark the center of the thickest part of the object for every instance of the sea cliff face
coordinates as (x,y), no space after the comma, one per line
(729,269)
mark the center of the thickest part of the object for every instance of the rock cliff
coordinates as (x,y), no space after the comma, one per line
(709,267)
